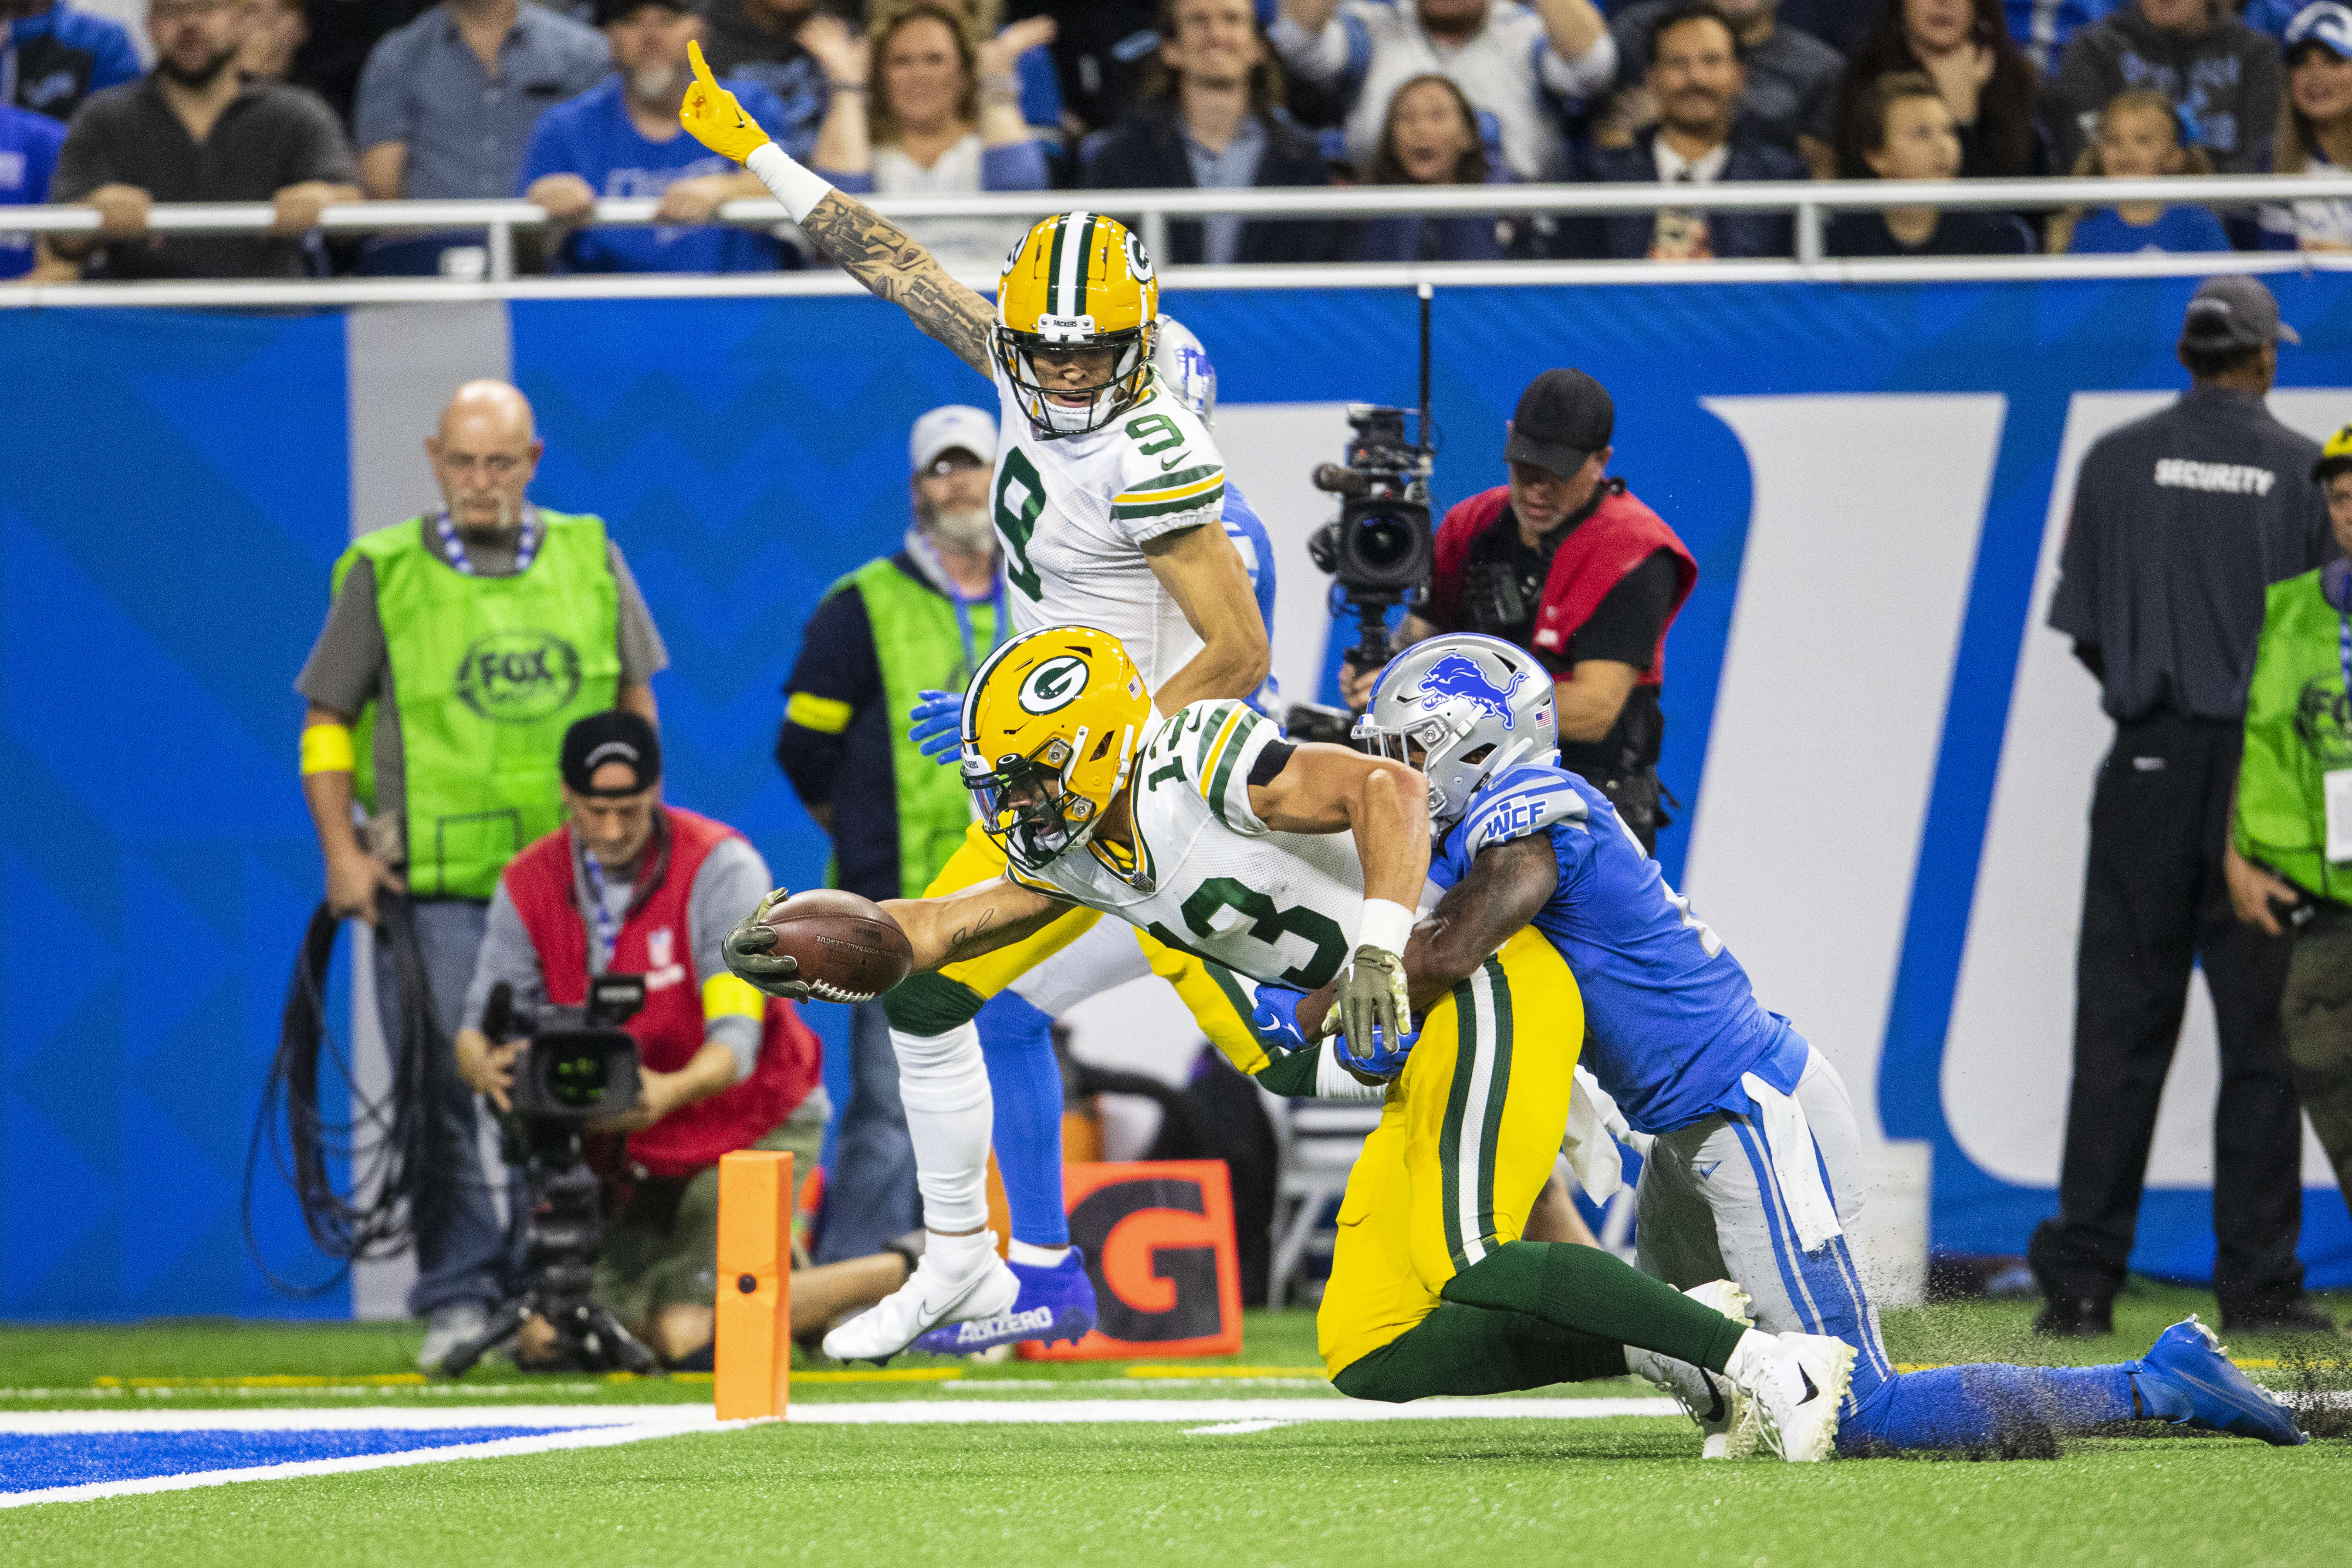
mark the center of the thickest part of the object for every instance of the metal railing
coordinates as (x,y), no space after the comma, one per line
(1809,202)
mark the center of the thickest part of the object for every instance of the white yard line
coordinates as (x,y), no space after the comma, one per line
(602,1426)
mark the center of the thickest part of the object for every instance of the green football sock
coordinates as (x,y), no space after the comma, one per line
(1595,1293)
(1469,1349)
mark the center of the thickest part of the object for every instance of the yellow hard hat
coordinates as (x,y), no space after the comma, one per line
(2335,458)
(1050,724)
(1077,280)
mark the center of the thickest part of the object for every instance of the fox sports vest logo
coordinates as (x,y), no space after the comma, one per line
(1053,685)
(518,676)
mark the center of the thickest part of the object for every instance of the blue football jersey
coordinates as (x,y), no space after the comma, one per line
(1671,1021)
(1249,537)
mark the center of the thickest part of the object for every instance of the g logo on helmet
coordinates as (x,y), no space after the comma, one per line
(1139,264)
(1053,685)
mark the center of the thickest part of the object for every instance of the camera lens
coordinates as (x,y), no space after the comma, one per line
(578,1079)
(1382,543)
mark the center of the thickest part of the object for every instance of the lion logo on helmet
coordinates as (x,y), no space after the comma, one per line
(1457,676)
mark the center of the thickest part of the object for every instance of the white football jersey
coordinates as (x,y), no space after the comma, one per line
(1074,513)
(1276,907)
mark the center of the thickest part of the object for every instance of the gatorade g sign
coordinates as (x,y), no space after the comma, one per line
(518,676)
(1159,1243)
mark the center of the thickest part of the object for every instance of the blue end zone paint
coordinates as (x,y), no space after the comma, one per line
(36,1462)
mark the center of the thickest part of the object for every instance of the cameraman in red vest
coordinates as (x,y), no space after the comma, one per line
(1563,563)
(635,886)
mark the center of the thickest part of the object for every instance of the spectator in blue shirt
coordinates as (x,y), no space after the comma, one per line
(622,138)
(2140,137)
(53,57)
(28,154)
(2040,27)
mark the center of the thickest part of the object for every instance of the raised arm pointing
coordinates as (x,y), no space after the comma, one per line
(867,245)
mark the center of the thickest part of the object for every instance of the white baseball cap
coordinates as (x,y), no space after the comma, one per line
(956,427)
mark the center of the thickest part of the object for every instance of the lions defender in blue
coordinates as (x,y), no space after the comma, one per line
(1755,1169)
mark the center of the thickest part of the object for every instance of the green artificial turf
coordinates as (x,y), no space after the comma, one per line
(1465,1493)
(1451,1492)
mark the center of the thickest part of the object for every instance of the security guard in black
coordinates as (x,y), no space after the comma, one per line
(2181,519)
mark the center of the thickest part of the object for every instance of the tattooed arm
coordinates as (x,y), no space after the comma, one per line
(1507,885)
(972,920)
(869,248)
(878,254)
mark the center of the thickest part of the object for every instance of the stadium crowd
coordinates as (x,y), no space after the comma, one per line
(301,106)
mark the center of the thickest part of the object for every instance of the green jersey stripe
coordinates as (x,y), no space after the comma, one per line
(1232,751)
(1498,1084)
(1457,1106)
(1206,500)
(1175,480)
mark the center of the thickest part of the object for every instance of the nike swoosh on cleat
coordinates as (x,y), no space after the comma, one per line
(1716,1414)
(1811,1393)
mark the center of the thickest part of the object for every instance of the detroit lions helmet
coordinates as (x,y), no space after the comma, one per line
(1462,709)
(1184,369)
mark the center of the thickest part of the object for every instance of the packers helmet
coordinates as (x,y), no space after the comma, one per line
(1050,724)
(1077,280)
(2335,458)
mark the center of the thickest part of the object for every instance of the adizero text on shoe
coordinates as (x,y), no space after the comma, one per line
(1056,1304)
(932,1295)
(1798,1399)
(2189,1362)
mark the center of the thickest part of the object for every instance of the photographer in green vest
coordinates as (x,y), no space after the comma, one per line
(921,619)
(2289,863)
(459,645)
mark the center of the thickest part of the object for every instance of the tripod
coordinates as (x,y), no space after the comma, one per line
(560,1252)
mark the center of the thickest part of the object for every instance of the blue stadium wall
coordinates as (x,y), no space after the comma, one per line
(178,485)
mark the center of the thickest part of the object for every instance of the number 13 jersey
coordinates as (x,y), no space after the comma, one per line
(1074,513)
(1209,876)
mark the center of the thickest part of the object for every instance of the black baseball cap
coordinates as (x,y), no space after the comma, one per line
(1564,417)
(2233,311)
(617,736)
(611,11)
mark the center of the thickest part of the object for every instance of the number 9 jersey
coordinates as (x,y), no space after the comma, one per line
(1073,512)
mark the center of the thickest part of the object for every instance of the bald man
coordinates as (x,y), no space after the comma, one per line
(459,645)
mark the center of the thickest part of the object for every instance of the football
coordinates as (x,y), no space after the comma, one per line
(848,950)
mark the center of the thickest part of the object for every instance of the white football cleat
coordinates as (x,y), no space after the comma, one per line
(1725,1412)
(933,1294)
(1800,1394)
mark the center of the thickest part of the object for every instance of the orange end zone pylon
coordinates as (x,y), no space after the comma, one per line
(752,1361)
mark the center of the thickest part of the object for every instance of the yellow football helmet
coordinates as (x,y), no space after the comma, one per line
(1050,724)
(1077,280)
(2334,458)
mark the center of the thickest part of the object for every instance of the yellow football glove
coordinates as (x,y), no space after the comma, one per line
(712,117)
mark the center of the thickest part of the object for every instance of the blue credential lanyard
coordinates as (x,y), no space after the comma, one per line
(963,605)
(453,549)
(2336,587)
(608,930)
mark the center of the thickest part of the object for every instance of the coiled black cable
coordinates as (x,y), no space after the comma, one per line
(389,1143)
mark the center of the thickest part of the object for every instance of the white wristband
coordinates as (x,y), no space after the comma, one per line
(1333,1081)
(787,181)
(1386,925)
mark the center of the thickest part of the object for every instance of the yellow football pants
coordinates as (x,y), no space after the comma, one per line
(1217,999)
(1465,1142)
